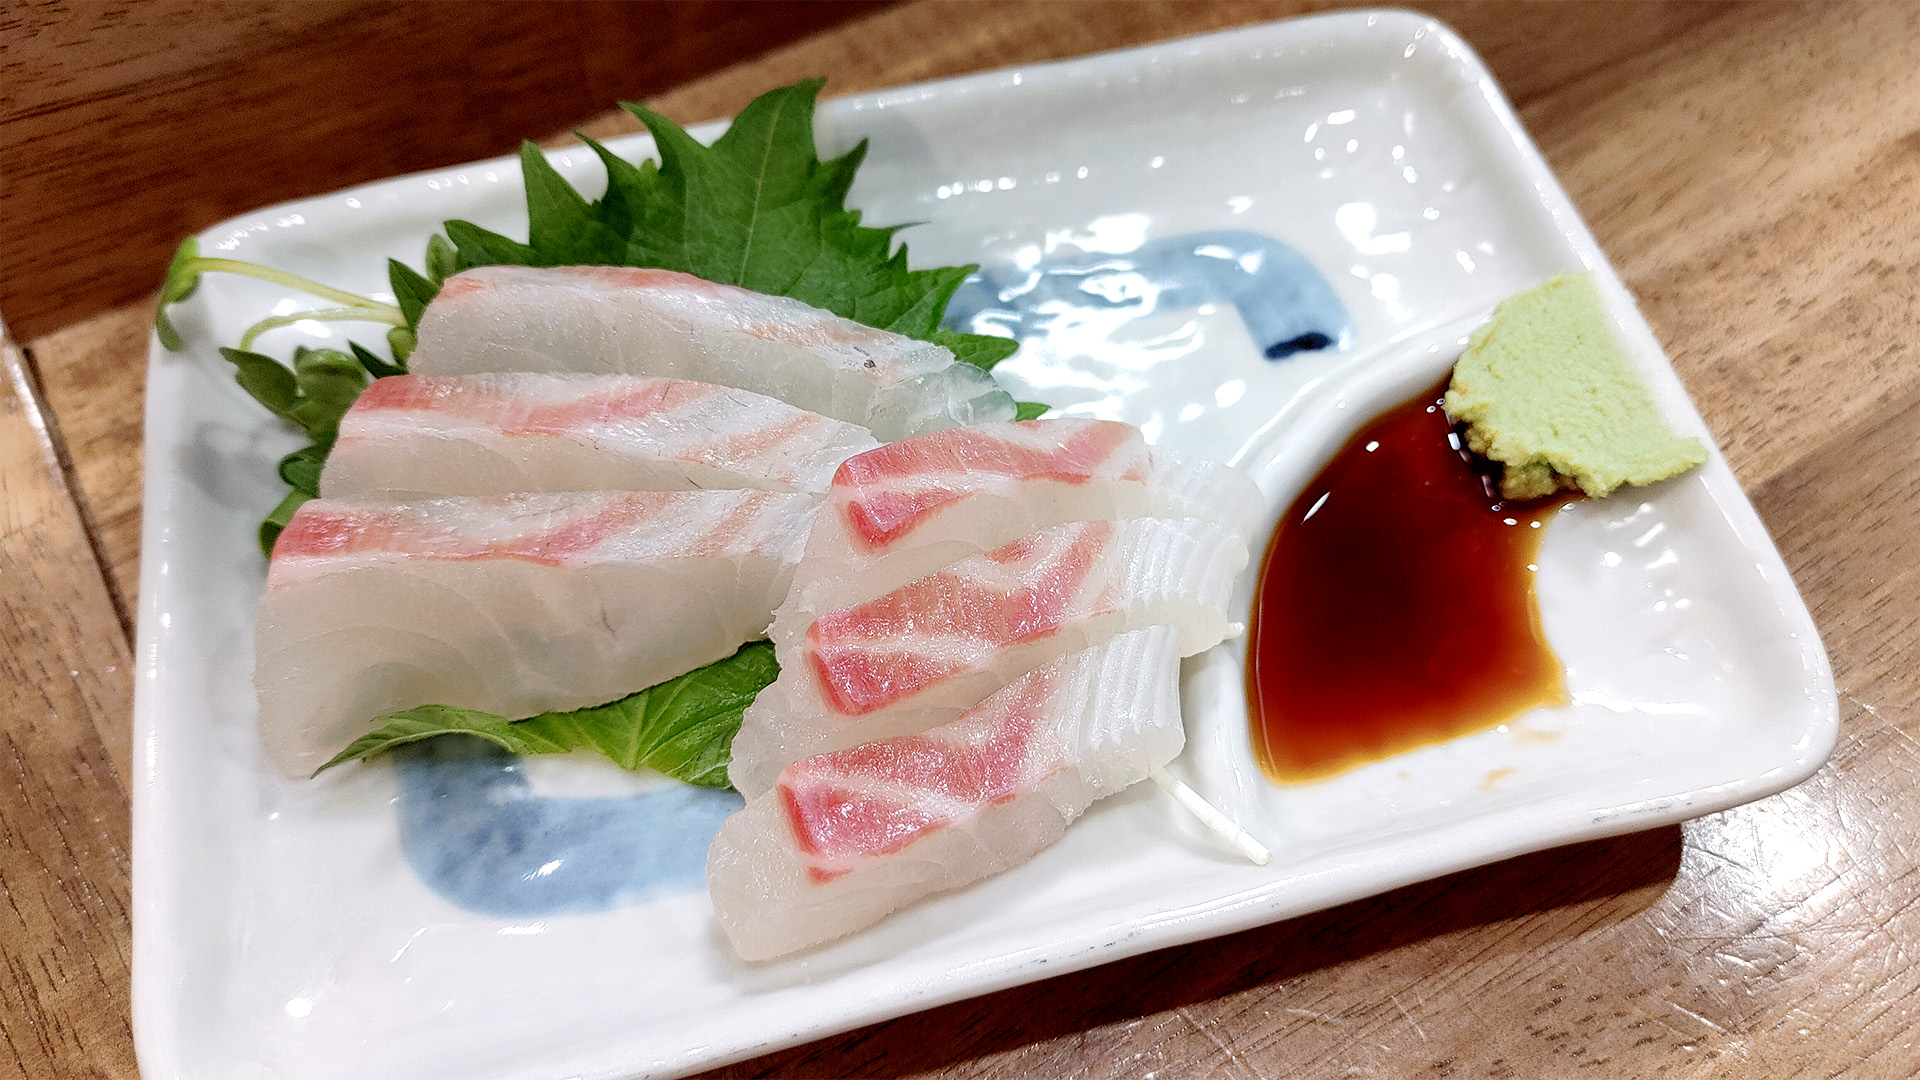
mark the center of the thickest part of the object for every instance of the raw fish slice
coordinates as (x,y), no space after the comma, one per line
(846,838)
(621,320)
(418,436)
(511,604)
(931,649)
(908,508)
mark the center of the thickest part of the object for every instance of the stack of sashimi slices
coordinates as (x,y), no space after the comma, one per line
(595,479)
(598,478)
(983,637)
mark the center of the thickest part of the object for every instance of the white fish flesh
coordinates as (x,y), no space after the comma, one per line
(848,837)
(927,651)
(419,436)
(622,320)
(509,604)
(908,508)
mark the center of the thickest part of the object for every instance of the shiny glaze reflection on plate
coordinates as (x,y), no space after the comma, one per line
(278,930)
(1282,300)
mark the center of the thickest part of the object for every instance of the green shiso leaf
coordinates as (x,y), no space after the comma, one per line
(475,246)
(628,187)
(1029,410)
(757,209)
(563,227)
(683,727)
(375,366)
(981,350)
(410,290)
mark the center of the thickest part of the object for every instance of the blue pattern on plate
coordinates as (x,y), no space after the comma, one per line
(1286,304)
(472,828)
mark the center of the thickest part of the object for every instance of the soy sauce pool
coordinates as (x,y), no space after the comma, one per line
(1396,605)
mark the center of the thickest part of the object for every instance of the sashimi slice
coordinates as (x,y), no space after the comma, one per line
(846,838)
(510,604)
(418,436)
(904,510)
(615,319)
(929,650)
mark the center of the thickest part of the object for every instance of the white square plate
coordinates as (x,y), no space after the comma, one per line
(281,930)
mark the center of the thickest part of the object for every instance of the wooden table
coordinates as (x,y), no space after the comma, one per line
(1754,173)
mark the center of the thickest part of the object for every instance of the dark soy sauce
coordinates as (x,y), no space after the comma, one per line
(1395,605)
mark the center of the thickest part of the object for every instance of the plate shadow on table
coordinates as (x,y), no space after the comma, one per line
(1636,868)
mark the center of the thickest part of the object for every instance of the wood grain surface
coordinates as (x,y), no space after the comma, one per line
(65,739)
(129,125)
(1754,173)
